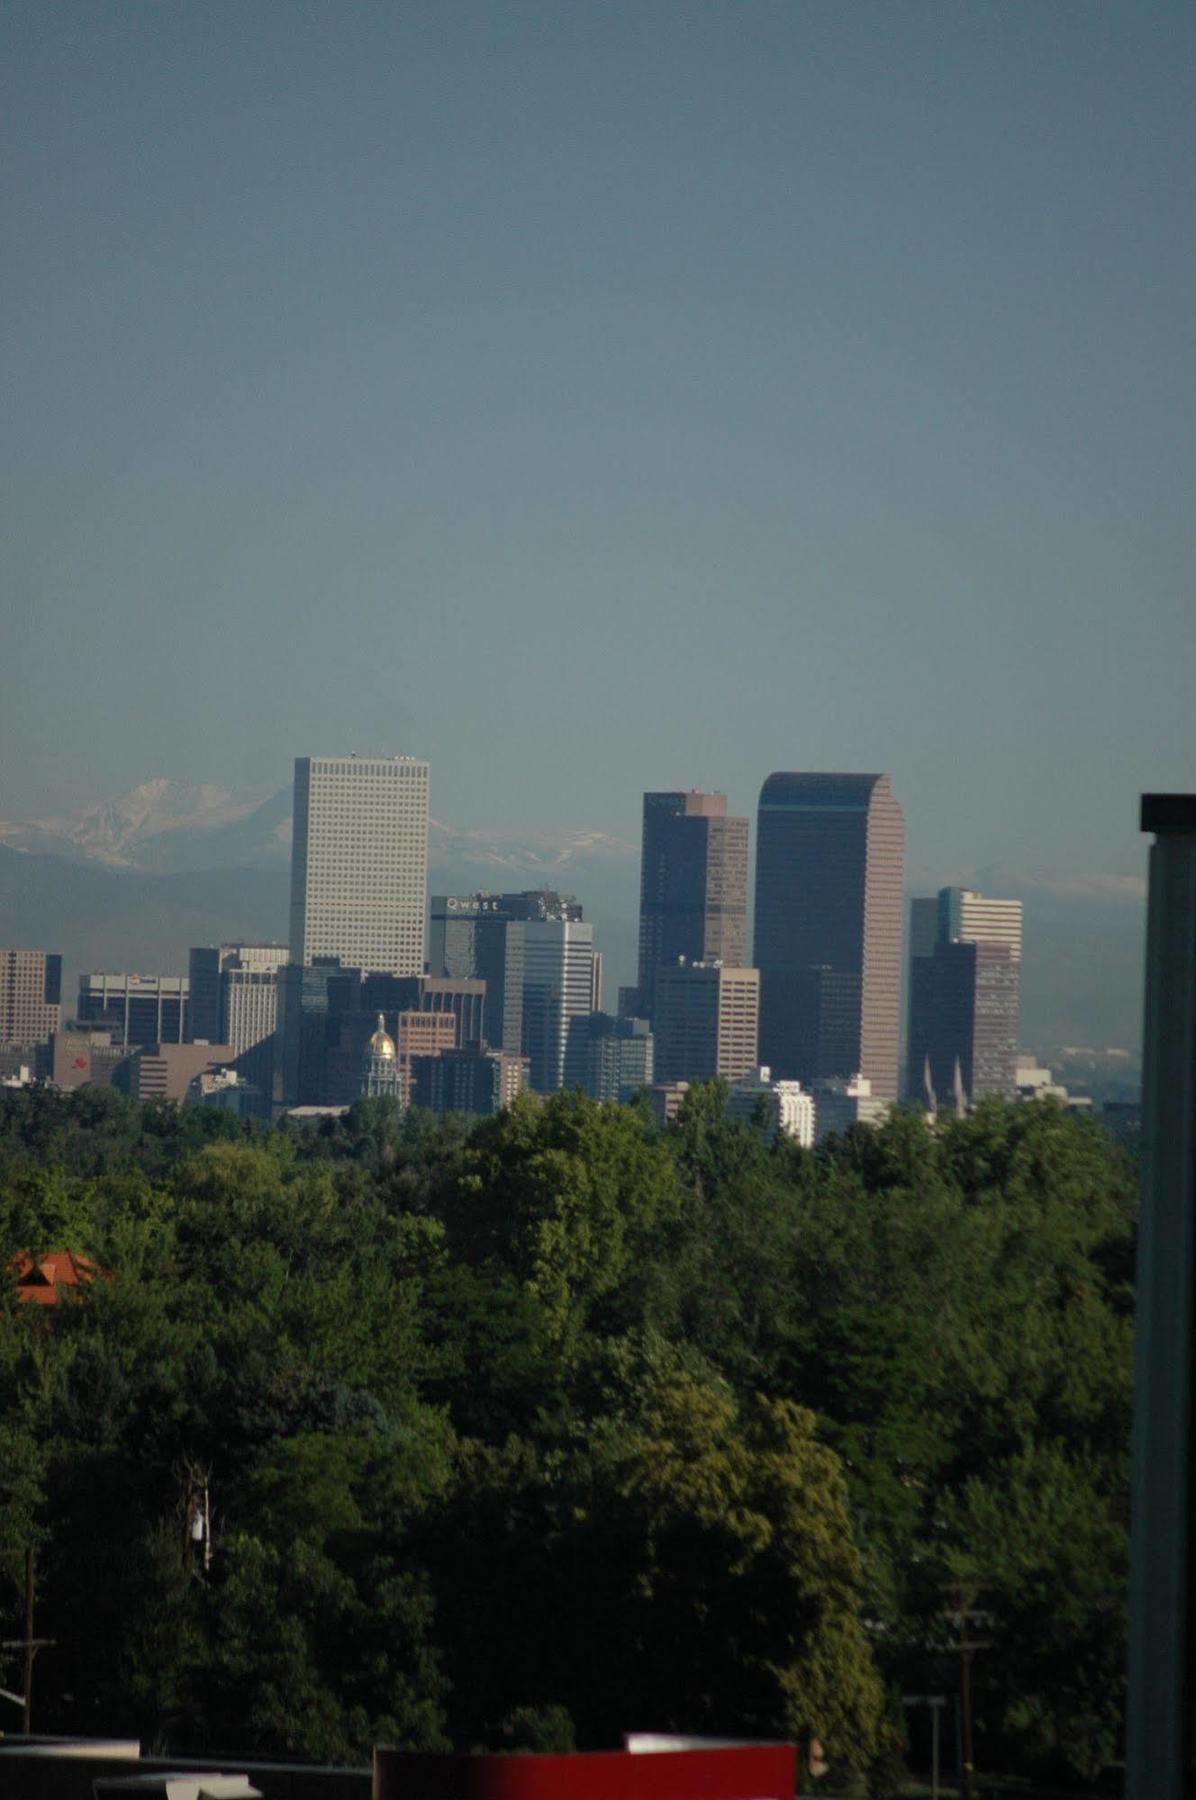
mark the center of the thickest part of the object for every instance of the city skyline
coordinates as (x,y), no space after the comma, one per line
(857,415)
(167,828)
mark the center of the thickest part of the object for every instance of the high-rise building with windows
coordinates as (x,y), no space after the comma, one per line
(535,952)
(475,936)
(829,870)
(207,966)
(136,1009)
(693,886)
(30,996)
(614,1057)
(966,917)
(558,987)
(473,1080)
(972,1032)
(707,1022)
(964,997)
(312,998)
(359,861)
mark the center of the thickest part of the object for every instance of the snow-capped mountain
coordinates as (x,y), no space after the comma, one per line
(170,827)
(161,825)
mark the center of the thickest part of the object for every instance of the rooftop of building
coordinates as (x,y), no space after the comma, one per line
(819,792)
(42,1281)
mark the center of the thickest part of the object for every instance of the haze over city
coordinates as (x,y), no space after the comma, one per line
(593,399)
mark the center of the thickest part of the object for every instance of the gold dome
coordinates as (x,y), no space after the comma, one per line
(381,1044)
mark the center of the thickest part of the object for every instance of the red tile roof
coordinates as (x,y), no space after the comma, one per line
(43,1281)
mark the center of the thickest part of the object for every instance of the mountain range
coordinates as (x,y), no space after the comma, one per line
(134,881)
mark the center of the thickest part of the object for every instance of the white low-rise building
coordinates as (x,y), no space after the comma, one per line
(790,1109)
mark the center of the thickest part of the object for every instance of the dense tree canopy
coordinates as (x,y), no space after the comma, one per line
(560,1425)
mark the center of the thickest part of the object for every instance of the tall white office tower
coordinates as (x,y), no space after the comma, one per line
(359,862)
(559,979)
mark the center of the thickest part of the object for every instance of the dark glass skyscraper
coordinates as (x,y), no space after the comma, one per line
(830,852)
(963,1007)
(973,1025)
(477,935)
(536,955)
(693,886)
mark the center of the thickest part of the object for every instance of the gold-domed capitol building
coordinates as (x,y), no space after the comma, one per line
(380,1065)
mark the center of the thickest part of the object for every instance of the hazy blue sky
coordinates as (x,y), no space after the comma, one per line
(592,397)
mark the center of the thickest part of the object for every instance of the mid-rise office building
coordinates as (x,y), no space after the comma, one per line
(615,1057)
(359,862)
(136,1009)
(234,1000)
(781,1108)
(829,870)
(30,995)
(473,1079)
(535,952)
(963,1008)
(207,966)
(75,1059)
(248,1019)
(707,1022)
(311,1000)
(693,886)
(453,922)
(473,935)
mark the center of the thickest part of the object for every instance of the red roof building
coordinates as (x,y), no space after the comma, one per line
(43,1282)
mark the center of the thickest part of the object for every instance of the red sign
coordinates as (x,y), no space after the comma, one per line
(742,1772)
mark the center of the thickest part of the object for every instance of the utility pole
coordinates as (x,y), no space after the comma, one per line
(29,1646)
(964,1615)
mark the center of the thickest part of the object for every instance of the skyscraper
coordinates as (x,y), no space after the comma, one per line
(558,987)
(829,867)
(535,953)
(30,995)
(964,996)
(359,861)
(475,935)
(707,1022)
(693,886)
(966,917)
(972,1035)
